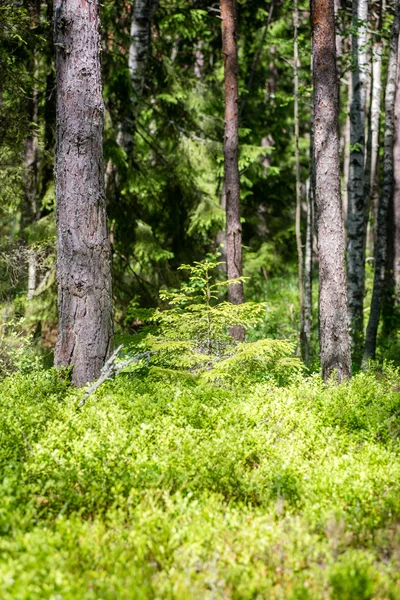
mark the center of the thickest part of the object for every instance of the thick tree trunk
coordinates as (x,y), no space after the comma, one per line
(334,335)
(356,198)
(85,336)
(387,190)
(139,50)
(298,179)
(231,150)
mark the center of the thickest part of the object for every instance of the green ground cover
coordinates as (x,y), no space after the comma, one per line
(168,486)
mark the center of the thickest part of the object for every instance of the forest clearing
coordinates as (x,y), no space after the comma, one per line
(199,299)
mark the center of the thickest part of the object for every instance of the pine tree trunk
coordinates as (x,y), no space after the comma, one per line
(231,150)
(139,50)
(387,190)
(85,336)
(334,335)
(356,199)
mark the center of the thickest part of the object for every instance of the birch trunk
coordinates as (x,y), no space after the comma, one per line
(371,162)
(356,207)
(231,150)
(139,50)
(334,335)
(387,190)
(85,336)
(396,196)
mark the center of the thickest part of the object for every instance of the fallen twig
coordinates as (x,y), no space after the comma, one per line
(111,369)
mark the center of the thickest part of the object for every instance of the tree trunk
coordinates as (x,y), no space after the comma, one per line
(334,335)
(387,190)
(231,149)
(139,50)
(308,255)
(371,162)
(298,179)
(85,336)
(356,199)
(346,161)
(396,197)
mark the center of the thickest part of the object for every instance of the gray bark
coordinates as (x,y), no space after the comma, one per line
(396,196)
(231,152)
(298,179)
(139,50)
(356,198)
(308,254)
(85,336)
(387,190)
(334,335)
(371,163)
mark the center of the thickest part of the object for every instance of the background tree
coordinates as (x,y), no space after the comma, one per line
(387,190)
(356,196)
(231,156)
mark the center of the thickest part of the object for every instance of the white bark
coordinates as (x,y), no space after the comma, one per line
(387,190)
(356,198)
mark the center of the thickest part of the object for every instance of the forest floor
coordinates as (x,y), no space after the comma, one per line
(163,486)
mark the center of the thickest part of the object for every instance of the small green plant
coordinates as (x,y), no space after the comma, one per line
(192,331)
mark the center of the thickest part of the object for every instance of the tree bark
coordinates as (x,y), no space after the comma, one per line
(85,336)
(231,151)
(334,335)
(396,197)
(139,50)
(387,190)
(356,198)
(298,178)
(308,254)
(371,162)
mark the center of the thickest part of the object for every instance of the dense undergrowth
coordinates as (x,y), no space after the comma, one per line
(167,486)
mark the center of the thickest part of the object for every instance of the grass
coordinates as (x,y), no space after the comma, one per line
(164,486)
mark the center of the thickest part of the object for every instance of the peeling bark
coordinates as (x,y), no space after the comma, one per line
(231,151)
(387,190)
(85,336)
(356,197)
(334,335)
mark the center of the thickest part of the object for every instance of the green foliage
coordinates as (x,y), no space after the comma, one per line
(166,487)
(194,333)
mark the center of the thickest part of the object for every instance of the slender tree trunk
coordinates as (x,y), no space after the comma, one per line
(85,336)
(334,335)
(371,162)
(308,255)
(139,50)
(298,178)
(396,197)
(346,162)
(356,207)
(387,190)
(231,151)
(338,40)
